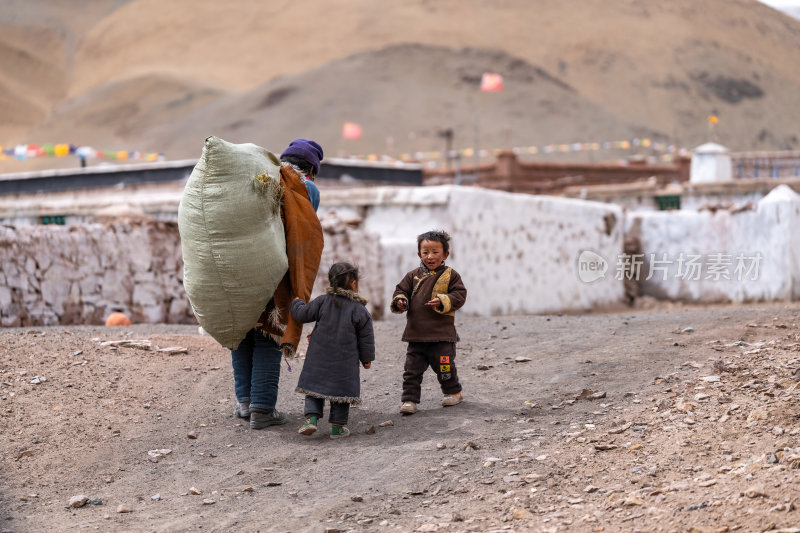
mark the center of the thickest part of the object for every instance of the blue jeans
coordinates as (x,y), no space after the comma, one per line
(257,371)
(337,416)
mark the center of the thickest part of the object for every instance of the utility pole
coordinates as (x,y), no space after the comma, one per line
(448,145)
(477,142)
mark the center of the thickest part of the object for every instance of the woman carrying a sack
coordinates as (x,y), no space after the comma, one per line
(257,360)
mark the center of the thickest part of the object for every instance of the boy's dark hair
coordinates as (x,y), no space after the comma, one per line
(302,164)
(434,236)
(341,275)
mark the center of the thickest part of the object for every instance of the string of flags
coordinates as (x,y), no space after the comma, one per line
(668,150)
(353,131)
(26,151)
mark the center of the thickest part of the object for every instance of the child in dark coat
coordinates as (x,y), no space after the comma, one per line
(430,294)
(342,338)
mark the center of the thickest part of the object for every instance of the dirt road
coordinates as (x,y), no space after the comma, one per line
(676,428)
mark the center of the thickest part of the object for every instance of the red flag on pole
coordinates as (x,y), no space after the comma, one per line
(351,130)
(491,82)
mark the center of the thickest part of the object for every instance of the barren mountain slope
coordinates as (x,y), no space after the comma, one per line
(38,40)
(439,92)
(148,75)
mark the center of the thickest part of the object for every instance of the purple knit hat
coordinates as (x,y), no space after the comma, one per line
(306,150)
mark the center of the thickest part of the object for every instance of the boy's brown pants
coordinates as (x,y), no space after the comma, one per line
(440,356)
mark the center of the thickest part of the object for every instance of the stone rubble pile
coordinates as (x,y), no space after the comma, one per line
(717,446)
(722,434)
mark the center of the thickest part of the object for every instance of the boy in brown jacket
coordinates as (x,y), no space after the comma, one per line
(431,294)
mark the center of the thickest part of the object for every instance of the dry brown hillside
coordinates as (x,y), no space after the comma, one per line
(160,76)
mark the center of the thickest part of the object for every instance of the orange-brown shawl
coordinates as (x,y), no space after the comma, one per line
(304,242)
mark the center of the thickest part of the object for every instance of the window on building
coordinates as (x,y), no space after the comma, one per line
(667,202)
(54,219)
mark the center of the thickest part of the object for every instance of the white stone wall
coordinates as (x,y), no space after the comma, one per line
(346,240)
(697,202)
(729,246)
(689,201)
(80,274)
(517,253)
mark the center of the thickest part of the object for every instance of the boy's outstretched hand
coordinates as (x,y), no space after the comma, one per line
(367,364)
(436,302)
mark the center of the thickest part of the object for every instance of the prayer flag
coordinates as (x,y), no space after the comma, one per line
(491,83)
(351,131)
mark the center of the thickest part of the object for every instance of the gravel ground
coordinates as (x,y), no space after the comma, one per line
(683,419)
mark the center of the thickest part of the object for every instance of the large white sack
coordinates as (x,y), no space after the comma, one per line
(234,249)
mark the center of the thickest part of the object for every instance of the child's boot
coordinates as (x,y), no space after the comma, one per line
(408,408)
(452,399)
(339,432)
(309,427)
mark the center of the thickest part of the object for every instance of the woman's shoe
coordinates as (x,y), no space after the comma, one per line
(260,420)
(242,410)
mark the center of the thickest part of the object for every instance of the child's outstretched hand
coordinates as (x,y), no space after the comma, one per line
(367,364)
(436,302)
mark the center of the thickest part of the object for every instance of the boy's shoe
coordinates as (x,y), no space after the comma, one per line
(339,432)
(309,427)
(408,408)
(242,410)
(452,399)
(261,420)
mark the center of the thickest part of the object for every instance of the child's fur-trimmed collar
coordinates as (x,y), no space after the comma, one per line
(350,295)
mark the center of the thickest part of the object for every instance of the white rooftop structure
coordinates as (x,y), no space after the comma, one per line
(711,162)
